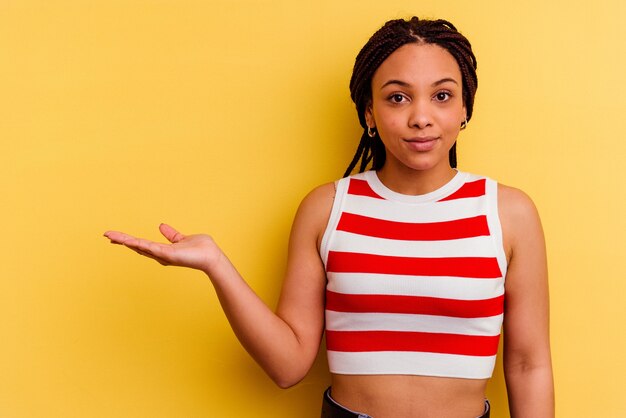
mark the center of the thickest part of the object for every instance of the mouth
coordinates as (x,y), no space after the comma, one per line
(422,143)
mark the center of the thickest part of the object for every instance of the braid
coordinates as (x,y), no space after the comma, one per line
(363,148)
(393,35)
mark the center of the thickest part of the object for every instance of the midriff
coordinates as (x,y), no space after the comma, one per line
(403,396)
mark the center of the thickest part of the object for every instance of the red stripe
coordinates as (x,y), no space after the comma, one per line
(361,341)
(474,267)
(431,231)
(361,188)
(418,305)
(471,189)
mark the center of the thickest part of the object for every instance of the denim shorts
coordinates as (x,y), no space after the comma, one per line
(332,409)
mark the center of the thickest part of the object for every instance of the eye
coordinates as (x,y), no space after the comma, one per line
(397,98)
(443,96)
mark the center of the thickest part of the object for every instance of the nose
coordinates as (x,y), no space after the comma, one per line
(420,116)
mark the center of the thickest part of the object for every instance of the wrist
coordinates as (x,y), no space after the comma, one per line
(215,264)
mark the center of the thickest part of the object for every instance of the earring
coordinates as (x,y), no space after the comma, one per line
(371,132)
(464,123)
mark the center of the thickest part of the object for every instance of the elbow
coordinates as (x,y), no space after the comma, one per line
(287,379)
(288,371)
(521,364)
(286,384)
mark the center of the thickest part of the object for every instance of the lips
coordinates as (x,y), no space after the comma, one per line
(422,144)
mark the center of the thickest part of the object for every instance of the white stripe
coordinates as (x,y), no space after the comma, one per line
(446,190)
(347,321)
(443,287)
(481,246)
(428,364)
(433,212)
(341,188)
(495,228)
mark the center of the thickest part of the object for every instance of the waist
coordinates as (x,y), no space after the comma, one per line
(402,395)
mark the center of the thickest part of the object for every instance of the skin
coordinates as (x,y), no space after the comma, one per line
(417,108)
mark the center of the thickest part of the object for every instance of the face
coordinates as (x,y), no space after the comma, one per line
(417,107)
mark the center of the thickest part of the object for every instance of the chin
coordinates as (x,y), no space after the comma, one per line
(422,165)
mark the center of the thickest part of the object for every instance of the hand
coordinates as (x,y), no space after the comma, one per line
(195,251)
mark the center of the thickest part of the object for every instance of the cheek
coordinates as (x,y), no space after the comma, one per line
(452,120)
(387,121)
(388,130)
(392,124)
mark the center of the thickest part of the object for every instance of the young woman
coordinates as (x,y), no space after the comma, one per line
(412,267)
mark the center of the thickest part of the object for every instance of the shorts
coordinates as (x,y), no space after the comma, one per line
(332,409)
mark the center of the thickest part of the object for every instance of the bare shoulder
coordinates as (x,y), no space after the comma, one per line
(314,210)
(518,216)
(320,196)
(318,202)
(514,202)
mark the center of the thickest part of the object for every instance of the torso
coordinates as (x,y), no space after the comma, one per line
(412,395)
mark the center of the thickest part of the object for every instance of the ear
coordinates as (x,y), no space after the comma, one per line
(369,115)
(463,122)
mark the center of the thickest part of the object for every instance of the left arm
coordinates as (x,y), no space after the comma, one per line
(527,360)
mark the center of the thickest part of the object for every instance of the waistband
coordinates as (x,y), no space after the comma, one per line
(332,409)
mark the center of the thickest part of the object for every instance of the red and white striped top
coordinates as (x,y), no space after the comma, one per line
(415,283)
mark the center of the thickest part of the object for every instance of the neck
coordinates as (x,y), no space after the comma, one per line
(408,181)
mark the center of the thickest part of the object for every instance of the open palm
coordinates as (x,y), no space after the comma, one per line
(194,251)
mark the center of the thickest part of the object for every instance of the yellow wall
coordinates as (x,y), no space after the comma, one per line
(219,116)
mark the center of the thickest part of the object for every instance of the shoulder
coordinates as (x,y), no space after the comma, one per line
(518,216)
(514,203)
(314,210)
(319,200)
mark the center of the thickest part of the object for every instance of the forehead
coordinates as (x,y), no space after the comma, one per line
(418,63)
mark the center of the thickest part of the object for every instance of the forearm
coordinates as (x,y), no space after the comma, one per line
(284,343)
(269,339)
(531,392)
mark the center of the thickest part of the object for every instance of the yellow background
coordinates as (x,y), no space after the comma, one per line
(218,116)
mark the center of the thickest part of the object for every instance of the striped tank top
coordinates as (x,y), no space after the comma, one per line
(415,283)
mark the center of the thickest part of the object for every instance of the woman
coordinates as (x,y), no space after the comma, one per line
(406,266)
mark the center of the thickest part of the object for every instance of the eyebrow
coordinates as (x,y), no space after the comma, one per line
(405,84)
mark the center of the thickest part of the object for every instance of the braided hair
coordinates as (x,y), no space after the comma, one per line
(393,35)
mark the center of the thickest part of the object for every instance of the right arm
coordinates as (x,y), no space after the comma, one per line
(285,342)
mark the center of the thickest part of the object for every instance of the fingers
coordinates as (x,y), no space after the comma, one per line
(147,246)
(150,249)
(170,233)
(152,256)
(118,237)
(160,252)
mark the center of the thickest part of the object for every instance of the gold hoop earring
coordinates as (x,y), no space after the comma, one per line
(464,123)
(371,132)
